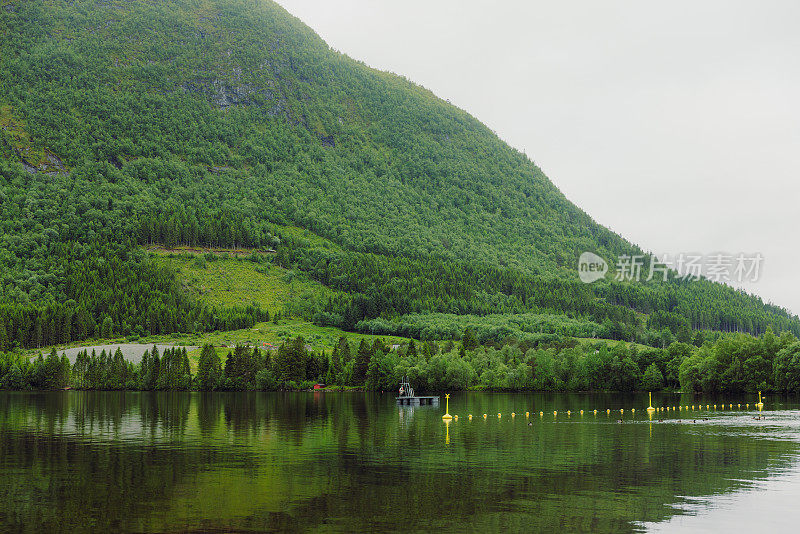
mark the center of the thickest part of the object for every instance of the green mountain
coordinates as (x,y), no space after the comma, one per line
(229,123)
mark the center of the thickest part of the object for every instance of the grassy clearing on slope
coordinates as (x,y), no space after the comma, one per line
(229,281)
(14,133)
(318,337)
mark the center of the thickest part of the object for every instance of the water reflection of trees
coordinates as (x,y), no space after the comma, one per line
(112,459)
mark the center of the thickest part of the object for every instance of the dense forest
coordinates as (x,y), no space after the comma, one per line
(735,363)
(222,123)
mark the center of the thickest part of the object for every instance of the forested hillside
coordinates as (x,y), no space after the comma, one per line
(126,123)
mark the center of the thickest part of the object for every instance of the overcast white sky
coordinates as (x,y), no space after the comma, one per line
(676,124)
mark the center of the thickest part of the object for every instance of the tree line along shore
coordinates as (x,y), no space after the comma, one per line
(732,363)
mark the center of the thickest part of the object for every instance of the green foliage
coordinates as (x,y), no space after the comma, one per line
(107,328)
(733,364)
(290,361)
(209,369)
(381,373)
(468,340)
(231,124)
(362,362)
(242,366)
(652,380)
(240,281)
(787,368)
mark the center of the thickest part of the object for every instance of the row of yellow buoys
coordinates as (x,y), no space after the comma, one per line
(650,409)
(569,413)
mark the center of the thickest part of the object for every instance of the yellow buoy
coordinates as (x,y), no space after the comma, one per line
(470,417)
(455,417)
(447,415)
(680,408)
(760,404)
(608,411)
(595,412)
(527,414)
(541,414)
(715,406)
(499,415)
(513,414)
(650,408)
(739,405)
(633,410)
(484,416)
(581,412)
(569,413)
(621,410)
(555,413)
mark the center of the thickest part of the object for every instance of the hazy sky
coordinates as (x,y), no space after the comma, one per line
(675,124)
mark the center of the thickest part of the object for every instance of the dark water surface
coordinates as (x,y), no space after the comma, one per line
(152,462)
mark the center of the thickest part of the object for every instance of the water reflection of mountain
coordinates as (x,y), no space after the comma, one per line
(170,461)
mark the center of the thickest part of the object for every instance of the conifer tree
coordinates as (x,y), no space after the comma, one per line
(209,369)
(290,362)
(3,337)
(412,349)
(468,340)
(363,357)
(345,354)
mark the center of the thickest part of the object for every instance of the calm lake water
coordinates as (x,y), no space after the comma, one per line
(152,462)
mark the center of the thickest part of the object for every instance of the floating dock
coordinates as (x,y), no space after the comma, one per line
(418,401)
(408,398)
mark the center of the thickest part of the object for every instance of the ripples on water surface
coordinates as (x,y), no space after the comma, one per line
(83,461)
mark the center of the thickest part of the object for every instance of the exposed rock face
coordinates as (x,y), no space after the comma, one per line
(52,167)
(226,96)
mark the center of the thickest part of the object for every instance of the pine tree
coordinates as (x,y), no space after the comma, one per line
(118,369)
(209,369)
(15,379)
(412,350)
(290,362)
(344,351)
(468,340)
(144,369)
(3,337)
(52,371)
(363,357)
(232,368)
(107,328)
(153,371)
(64,372)
(335,366)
